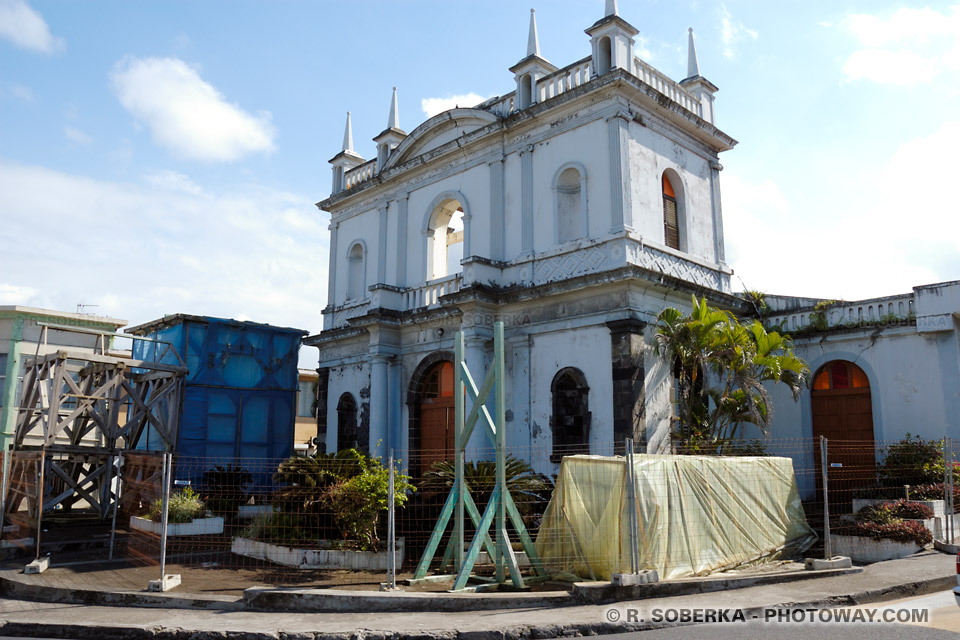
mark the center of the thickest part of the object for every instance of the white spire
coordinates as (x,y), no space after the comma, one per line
(533,42)
(348,135)
(611,9)
(693,67)
(393,122)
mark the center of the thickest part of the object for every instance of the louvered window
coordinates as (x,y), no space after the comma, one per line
(671,221)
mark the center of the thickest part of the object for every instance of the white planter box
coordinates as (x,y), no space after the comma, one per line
(861,549)
(316,558)
(199,527)
(937,505)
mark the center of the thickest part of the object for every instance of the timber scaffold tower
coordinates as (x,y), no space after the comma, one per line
(79,412)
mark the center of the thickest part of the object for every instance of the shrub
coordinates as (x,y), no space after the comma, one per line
(755,447)
(276,528)
(224,489)
(183,507)
(530,490)
(899,531)
(912,461)
(890,512)
(357,503)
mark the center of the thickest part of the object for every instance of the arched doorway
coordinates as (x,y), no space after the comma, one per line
(348,435)
(570,421)
(843,413)
(430,403)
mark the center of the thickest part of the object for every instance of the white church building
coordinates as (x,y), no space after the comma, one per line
(573,208)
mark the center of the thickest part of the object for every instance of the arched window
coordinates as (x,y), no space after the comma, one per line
(840,375)
(606,57)
(571,209)
(445,240)
(570,422)
(526,91)
(356,279)
(671,215)
(348,433)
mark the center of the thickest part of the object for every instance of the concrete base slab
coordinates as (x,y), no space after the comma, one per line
(946,547)
(167,582)
(836,562)
(37,566)
(630,579)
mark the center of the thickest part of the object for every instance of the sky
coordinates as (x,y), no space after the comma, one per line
(162,157)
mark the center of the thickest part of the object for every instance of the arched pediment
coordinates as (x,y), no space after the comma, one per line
(437,131)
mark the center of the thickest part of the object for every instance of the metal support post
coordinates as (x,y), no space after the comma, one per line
(391,532)
(827,547)
(167,472)
(501,444)
(42,479)
(949,532)
(116,503)
(632,508)
(459,390)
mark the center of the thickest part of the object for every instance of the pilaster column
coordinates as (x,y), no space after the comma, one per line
(526,199)
(479,447)
(402,203)
(379,403)
(323,384)
(332,267)
(382,246)
(621,210)
(718,239)
(627,351)
(518,412)
(496,210)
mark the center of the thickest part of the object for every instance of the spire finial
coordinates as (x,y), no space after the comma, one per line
(611,9)
(393,122)
(693,67)
(348,135)
(533,41)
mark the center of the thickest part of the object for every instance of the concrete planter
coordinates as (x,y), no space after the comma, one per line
(316,558)
(199,526)
(862,549)
(937,505)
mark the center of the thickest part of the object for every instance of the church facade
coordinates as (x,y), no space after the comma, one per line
(573,208)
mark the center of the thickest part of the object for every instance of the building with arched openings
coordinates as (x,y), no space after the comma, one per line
(573,208)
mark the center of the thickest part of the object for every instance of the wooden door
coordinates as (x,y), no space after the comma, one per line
(843,413)
(437,429)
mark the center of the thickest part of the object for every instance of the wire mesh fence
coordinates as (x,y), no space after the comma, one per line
(323,520)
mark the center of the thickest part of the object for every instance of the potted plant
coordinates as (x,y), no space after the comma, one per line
(885,531)
(186,516)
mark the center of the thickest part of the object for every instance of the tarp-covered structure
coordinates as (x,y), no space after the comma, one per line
(696,515)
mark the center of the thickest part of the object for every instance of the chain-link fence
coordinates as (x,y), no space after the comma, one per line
(326,521)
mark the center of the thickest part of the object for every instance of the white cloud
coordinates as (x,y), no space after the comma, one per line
(24,27)
(186,114)
(881,232)
(433,106)
(227,254)
(23,92)
(732,33)
(174,181)
(76,135)
(909,46)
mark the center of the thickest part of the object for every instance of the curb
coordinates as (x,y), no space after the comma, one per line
(517,632)
(343,601)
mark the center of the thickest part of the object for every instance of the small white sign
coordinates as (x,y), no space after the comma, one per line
(182,483)
(836,464)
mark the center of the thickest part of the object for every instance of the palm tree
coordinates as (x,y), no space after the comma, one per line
(740,360)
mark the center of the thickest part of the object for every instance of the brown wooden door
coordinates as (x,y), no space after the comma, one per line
(437,427)
(843,413)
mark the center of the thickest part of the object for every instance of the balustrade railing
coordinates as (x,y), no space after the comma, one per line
(364,172)
(429,294)
(876,311)
(667,87)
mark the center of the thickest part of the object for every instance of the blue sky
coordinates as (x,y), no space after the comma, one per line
(183,144)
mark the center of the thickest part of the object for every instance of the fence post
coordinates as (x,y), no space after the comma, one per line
(41,481)
(7,463)
(827,550)
(167,464)
(948,528)
(391,532)
(116,503)
(632,500)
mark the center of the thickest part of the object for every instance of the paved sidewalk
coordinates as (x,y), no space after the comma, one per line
(918,574)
